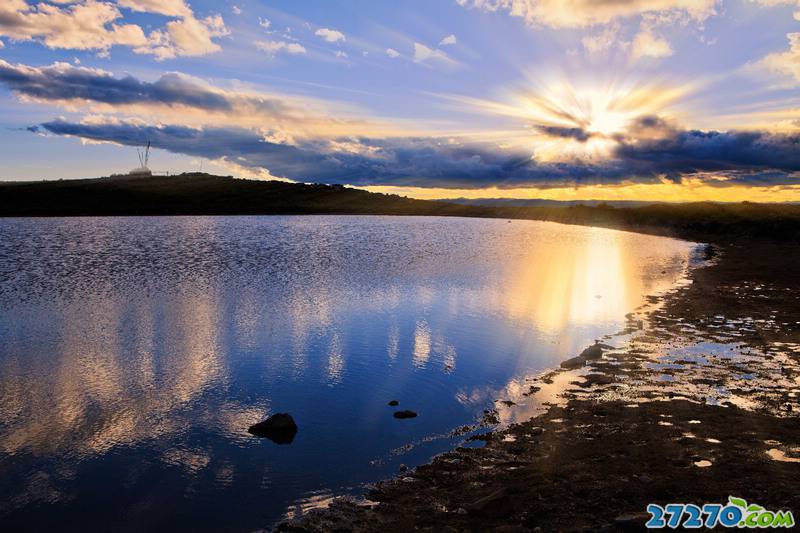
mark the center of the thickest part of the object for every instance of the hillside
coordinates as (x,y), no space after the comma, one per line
(201,194)
(204,194)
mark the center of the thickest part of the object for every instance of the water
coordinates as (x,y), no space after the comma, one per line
(135,352)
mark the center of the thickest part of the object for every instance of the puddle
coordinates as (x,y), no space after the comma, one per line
(779,455)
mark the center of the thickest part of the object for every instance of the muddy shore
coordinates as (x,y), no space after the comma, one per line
(697,400)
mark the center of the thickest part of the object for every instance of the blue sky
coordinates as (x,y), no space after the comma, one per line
(691,99)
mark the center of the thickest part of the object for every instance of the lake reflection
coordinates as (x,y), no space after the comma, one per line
(135,352)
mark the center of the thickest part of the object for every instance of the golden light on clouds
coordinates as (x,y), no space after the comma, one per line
(566,119)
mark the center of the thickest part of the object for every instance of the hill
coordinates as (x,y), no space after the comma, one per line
(204,194)
(200,194)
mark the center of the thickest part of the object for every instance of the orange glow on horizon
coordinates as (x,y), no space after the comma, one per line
(687,191)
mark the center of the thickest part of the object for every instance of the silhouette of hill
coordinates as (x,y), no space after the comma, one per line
(205,194)
(200,194)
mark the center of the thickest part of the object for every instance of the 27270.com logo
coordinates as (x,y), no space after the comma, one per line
(736,513)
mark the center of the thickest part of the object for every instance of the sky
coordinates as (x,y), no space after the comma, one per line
(676,100)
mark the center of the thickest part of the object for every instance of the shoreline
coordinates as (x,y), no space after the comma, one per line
(701,403)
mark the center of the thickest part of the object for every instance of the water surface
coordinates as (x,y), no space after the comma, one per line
(135,352)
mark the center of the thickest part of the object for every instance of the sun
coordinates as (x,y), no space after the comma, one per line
(565,120)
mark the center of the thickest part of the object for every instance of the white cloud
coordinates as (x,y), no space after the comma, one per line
(341,54)
(169,8)
(785,63)
(648,44)
(86,26)
(185,37)
(236,10)
(423,54)
(264,23)
(772,3)
(273,48)
(2,44)
(604,41)
(98,25)
(330,35)
(450,39)
(391,52)
(582,13)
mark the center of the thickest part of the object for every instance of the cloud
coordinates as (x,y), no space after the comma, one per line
(583,13)
(185,37)
(752,158)
(182,99)
(236,10)
(85,26)
(449,40)
(169,8)
(264,23)
(785,63)
(771,3)
(604,41)
(648,44)
(96,25)
(273,48)
(329,35)
(423,54)
(391,52)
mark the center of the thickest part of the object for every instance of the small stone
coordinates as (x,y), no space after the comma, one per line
(280,428)
(394,403)
(405,414)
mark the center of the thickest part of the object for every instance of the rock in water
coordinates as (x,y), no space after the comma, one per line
(405,414)
(575,362)
(592,352)
(279,428)
(394,403)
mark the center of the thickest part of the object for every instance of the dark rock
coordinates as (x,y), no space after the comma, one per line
(405,414)
(490,417)
(592,352)
(508,403)
(280,428)
(597,379)
(394,403)
(575,362)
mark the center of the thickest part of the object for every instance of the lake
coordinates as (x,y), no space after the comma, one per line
(135,352)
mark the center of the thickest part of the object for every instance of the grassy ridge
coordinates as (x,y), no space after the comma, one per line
(204,194)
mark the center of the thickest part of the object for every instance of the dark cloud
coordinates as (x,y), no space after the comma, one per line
(752,158)
(579,134)
(696,151)
(66,82)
